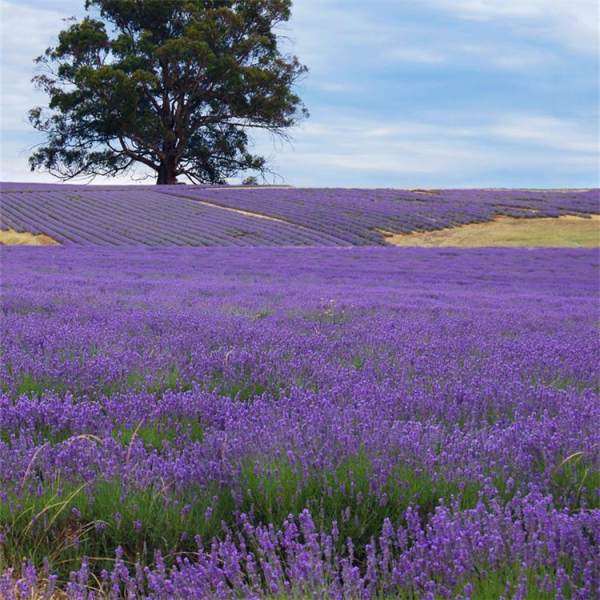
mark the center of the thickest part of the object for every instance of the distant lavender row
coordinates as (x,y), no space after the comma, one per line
(359,215)
(349,423)
(173,215)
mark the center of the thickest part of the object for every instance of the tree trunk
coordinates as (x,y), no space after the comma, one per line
(166,172)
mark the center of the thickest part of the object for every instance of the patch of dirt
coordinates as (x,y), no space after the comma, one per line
(241,211)
(428,192)
(566,231)
(10,237)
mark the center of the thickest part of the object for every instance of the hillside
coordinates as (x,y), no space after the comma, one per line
(180,215)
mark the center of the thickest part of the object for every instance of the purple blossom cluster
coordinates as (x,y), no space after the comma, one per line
(195,216)
(309,422)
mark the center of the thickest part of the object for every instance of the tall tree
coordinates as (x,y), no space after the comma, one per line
(175,85)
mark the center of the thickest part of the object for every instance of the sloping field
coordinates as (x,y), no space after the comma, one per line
(125,217)
(360,215)
(270,216)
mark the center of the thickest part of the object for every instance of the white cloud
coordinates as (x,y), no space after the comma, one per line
(574,23)
(510,57)
(416,55)
(547,132)
(337,39)
(25,33)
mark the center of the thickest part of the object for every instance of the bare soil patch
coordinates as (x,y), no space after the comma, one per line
(427,192)
(567,231)
(10,237)
(241,211)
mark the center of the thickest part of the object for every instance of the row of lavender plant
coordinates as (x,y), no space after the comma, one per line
(358,423)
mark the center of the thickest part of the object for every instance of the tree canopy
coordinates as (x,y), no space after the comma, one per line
(176,86)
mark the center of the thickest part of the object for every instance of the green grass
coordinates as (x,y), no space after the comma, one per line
(242,389)
(168,379)
(576,482)
(505,583)
(43,435)
(34,388)
(273,492)
(64,524)
(358,362)
(157,383)
(155,435)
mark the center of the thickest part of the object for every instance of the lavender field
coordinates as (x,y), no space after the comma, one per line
(301,422)
(179,215)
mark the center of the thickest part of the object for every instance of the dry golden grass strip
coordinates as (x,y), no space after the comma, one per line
(10,237)
(565,232)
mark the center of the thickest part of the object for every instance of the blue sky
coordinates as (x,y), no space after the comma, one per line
(427,93)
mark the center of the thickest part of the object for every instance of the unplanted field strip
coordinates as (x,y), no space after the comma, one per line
(534,232)
(235,210)
(11,237)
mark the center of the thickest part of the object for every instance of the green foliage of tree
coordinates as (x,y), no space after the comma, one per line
(172,85)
